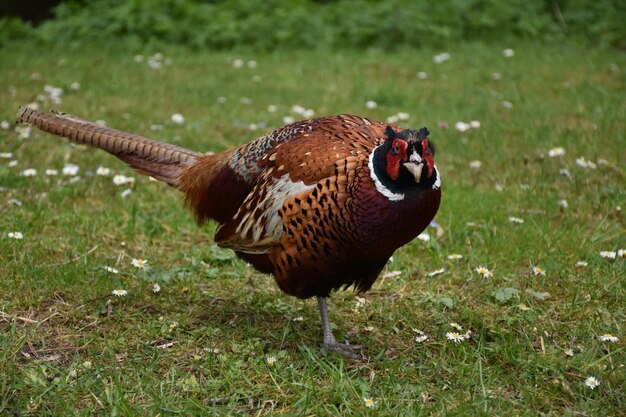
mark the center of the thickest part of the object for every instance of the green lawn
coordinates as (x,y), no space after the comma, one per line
(200,345)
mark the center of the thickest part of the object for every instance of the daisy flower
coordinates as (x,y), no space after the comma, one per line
(70,169)
(156,288)
(178,118)
(103,170)
(507,104)
(461,126)
(122,179)
(516,220)
(111,270)
(126,193)
(299,318)
(563,204)
(369,328)
(592,382)
(271,360)
(369,402)
(621,253)
(581,264)
(173,325)
(554,152)
(51,172)
(440,58)
(29,172)
(371,104)
(607,337)
(436,272)
(508,53)
(6,154)
(422,75)
(608,254)
(119,292)
(455,256)
(421,338)
(15,235)
(140,263)
(455,337)
(456,326)
(425,237)
(484,272)
(475,164)
(537,270)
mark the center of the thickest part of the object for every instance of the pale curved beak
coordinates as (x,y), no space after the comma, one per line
(415,169)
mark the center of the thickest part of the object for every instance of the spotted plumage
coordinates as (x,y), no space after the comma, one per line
(320,204)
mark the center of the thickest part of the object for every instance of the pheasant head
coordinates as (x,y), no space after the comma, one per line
(405,161)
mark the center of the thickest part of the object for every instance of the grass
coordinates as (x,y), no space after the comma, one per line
(199,347)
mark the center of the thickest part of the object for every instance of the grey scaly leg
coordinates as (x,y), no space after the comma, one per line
(330,343)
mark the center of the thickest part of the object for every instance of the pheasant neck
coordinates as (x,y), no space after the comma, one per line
(379,176)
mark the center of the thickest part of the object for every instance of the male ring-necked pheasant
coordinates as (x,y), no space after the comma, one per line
(320,204)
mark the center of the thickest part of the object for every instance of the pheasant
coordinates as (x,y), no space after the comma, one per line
(321,204)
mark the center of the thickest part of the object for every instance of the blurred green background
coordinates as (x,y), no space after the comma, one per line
(266,25)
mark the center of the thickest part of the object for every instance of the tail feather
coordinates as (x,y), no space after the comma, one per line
(162,161)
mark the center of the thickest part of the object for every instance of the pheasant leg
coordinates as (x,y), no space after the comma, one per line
(330,343)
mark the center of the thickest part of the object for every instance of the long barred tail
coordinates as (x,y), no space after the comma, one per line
(162,161)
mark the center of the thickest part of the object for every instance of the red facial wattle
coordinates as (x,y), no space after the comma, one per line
(396,154)
(428,157)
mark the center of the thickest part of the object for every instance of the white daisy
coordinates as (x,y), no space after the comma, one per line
(537,270)
(103,171)
(119,292)
(621,253)
(484,272)
(111,270)
(5,125)
(607,254)
(421,338)
(513,219)
(455,337)
(156,288)
(271,360)
(370,402)
(178,118)
(554,152)
(607,337)
(436,272)
(456,326)
(424,237)
(15,235)
(563,205)
(507,104)
(70,169)
(474,124)
(126,193)
(592,382)
(140,263)
(30,172)
(272,108)
(237,63)
(461,126)
(455,256)
(475,164)
(581,264)
(422,75)
(288,120)
(6,154)
(440,58)
(508,53)
(371,104)
(51,172)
